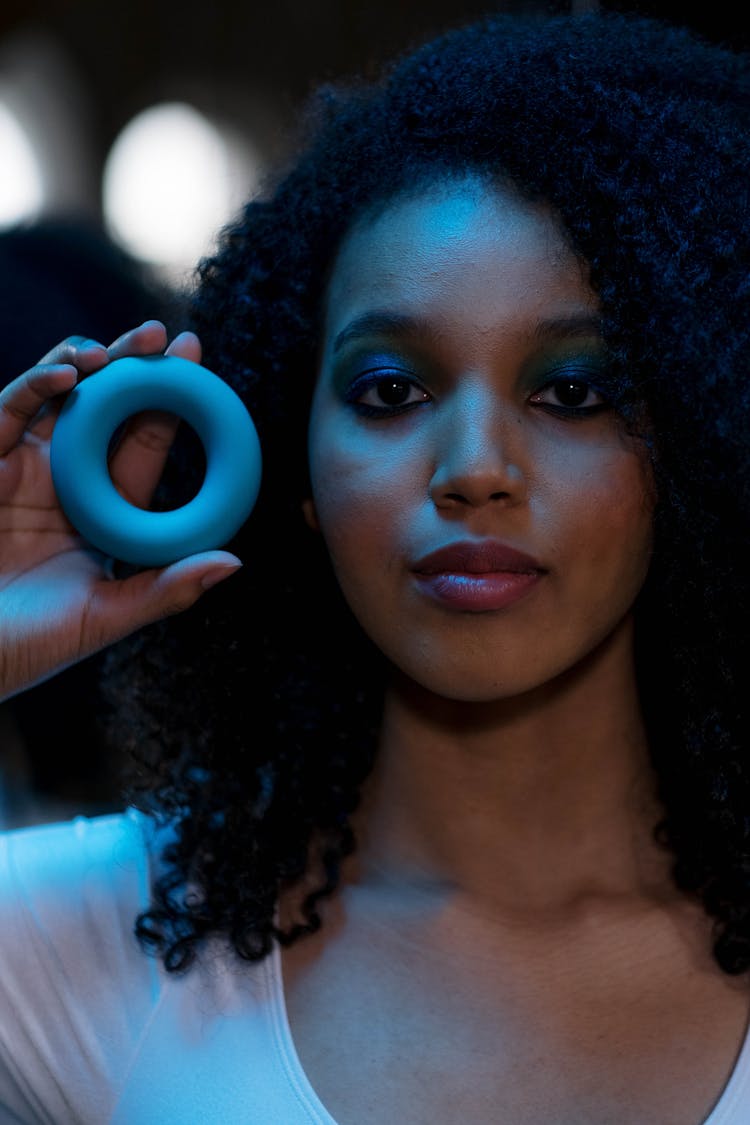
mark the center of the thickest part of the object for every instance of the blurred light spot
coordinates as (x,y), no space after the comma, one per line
(48,97)
(21,183)
(171,180)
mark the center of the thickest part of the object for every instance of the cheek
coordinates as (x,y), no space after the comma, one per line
(360,488)
(610,529)
(357,521)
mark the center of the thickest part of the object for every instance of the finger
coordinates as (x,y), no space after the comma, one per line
(123,605)
(22,400)
(89,356)
(149,338)
(187,346)
(85,354)
(137,461)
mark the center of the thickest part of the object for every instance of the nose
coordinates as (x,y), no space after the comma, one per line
(477,452)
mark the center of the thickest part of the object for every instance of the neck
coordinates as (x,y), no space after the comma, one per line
(529,805)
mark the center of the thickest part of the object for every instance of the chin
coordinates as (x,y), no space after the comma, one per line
(481,681)
(466,687)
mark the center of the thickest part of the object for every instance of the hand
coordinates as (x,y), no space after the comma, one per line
(59,601)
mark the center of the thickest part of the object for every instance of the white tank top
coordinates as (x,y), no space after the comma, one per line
(92,1031)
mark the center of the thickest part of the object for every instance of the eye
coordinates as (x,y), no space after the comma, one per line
(570,395)
(380,393)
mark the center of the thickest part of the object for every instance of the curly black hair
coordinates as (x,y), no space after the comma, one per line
(253,716)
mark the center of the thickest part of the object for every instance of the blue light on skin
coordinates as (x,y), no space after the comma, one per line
(497,725)
(470,311)
(379,385)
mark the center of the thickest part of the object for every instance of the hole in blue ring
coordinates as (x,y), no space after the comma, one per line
(184,470)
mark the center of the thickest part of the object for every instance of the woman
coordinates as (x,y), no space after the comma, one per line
(442,802)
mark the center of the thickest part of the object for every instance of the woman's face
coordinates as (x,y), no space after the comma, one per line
(456,410)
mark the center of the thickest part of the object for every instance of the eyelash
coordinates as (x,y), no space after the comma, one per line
(581,378)
(369,379)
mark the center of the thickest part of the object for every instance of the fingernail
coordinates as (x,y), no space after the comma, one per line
(214,576)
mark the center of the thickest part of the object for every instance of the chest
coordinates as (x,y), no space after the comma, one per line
(385,1037)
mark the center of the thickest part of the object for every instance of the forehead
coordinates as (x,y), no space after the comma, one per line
(457,246)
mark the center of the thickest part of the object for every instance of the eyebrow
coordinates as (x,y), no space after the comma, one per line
(381,322)
(561,327)
(387,322)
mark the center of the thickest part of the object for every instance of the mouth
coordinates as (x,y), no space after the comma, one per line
(477,576)
(487,556)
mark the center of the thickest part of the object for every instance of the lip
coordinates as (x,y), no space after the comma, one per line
(477,576)
(482,556)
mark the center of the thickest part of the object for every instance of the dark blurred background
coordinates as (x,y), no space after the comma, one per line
(129,133)
(246,64)
(128,54)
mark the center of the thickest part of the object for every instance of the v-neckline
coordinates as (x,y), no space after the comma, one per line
(735,1092)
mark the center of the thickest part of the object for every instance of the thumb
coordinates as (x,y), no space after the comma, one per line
(124,605)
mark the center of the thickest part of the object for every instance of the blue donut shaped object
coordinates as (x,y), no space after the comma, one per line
(94,409)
